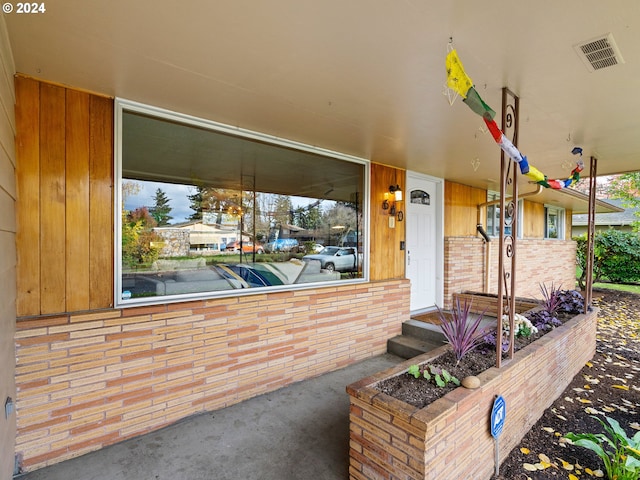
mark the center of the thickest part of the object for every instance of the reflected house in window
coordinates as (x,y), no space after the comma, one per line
(244,187)
(194,237)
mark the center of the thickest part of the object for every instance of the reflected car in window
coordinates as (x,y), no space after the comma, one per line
(339,259)
(247,247)
(283,245)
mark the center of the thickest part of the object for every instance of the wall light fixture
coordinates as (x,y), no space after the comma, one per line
(397,192)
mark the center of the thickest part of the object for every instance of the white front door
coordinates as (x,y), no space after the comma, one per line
(425,245)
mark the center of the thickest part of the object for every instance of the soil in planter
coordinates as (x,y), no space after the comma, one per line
(420,393)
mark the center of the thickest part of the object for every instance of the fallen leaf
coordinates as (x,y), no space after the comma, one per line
(529,467)
(548,429)
(572,477)
(621,387)
(566,465)
(525,450)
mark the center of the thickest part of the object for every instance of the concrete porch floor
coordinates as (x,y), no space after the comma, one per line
(299,432)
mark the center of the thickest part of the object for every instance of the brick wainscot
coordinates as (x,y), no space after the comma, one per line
(88,380)
(450,438)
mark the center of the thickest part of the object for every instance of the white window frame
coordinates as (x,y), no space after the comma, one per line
(122,105)
(560,213)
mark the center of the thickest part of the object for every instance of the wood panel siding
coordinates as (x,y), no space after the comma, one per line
(387,261)
(52,198)
(101,202)
(568,219)
(77,200)
(28,195)
(64,209)
(461,209)
(532,219)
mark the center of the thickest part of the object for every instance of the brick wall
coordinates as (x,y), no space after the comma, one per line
(538,261)
(89,380)
(450,438)
(463,266)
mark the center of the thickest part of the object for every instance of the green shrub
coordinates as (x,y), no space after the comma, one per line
(616,256)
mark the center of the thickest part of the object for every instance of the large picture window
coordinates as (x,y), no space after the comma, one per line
(208,210)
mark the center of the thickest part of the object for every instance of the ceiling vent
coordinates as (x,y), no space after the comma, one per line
(599,53)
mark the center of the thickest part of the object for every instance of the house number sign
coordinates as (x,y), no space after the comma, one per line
(498,415)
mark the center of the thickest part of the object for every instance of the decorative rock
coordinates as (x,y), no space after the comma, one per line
(470,382)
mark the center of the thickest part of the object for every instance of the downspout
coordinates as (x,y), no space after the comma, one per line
(480,229)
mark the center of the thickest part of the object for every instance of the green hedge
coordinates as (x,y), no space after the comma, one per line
(616,256)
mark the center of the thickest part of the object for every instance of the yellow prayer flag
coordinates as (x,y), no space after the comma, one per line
(457,79)
(535,174)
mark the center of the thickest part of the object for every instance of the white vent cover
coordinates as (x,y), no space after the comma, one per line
(599,53)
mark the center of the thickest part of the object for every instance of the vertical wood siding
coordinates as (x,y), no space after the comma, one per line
(386,258)
(568,219)
(64,175)
(77,182)
(461,209)
(533,220)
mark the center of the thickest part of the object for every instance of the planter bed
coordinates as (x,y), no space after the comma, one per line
(450,438)
(488,302)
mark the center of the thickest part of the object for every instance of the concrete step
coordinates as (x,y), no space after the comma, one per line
(423,331)
(408,347)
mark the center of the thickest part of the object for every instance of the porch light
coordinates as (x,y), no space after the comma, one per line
(397,192)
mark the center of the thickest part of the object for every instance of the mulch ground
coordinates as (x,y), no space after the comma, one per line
(608,385)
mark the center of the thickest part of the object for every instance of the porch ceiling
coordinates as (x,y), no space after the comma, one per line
(361,77)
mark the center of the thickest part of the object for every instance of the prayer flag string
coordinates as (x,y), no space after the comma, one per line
(461,83)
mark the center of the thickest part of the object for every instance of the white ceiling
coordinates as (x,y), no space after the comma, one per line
(362,77)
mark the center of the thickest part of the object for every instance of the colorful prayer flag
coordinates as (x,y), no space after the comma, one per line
(457,79)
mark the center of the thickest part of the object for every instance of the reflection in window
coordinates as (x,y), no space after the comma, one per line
(207,212)
(420,197)
(493,216)
(554,222)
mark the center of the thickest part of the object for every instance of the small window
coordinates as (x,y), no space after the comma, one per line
(554,222)
(420,197)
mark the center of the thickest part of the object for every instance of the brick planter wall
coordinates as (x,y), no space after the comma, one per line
(450,438)
(93,379)
(538,261)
